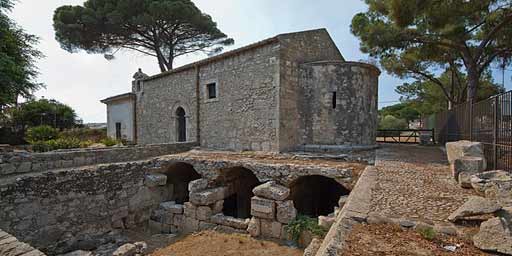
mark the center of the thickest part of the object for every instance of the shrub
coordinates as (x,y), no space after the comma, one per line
(41,133)
(85,134)
(60,143)
(427,233)
(305,223)
(109,142)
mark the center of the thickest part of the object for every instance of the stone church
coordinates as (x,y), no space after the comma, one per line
(291,92)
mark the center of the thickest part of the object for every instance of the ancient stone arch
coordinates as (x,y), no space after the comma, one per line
(179,175)
(316,195)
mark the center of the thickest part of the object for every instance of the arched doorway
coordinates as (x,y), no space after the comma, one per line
(241,182)
(181,127)
(316,195)
(178,177)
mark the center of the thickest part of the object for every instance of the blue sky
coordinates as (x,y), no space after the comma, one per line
(81,80)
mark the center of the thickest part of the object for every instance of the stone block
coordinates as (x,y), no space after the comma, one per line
(465,180)
(459,149)
(254,227)
(272,190)
(154,227)
(475,206)
(342,201)
(270,229)
(24,167)
(178,220)
(208,197)
(218,206)
(189,210)
(263,208)
(155,179)
(203,213)
(313,247)
(7,169)
(469,164)
(286,211)
(495,236)
(285,235)
(190,225)
(326,221)
(229,221)
(197,185)
(206,226)
(125,250)
(172,207)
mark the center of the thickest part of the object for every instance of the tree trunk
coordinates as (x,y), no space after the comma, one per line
(473,80)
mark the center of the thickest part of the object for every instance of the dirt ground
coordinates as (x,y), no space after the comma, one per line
(213,243)
(392,240)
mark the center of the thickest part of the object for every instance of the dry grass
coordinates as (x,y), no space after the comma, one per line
(213,243)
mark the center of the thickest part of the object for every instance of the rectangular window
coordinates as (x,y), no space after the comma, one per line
(212,90)
(334,100)
(118,131)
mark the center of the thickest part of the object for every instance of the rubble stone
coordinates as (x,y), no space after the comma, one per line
(458,149)
(495,236)
(229,221)
(475,206)
(286,211)
(197,185)
(208,197)
(272,190)
(254,227)
(155,179)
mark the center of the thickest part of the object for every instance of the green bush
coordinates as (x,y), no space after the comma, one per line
(390,122)
(305,223)
(109,142)
(55,144)
(85,134)
(41,133)
(427,233)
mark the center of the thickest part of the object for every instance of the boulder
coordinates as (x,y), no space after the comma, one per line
(155,179)
(263,208)
(468,164)
(494,184)
(494,236)
(313,247)
(326,221)
(458,149)
(286,211)
(475,206)
(125,250)
(254,227)
(272,190)
(209,196)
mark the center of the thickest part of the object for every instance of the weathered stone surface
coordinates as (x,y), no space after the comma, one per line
(218,206)
(125,250)
(313,247)
(270,229)
(254,227)
(155,179)
(326,221)
(495,236)
(208,197)
(458,149)
(272,190)
(203,213)
(206,226)
(190,225)
(229,221)
(475,206)
(263,208)
(494,184)
(172,207)
(197,185)
(465,179)
(342,201)
(286,211)
(468,164)
(189,210)
(78,253)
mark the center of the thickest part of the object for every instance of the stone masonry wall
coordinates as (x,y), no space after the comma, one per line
(353,119)
(244,114)
(157,105)
(14,163)
(10,246)
(296,49)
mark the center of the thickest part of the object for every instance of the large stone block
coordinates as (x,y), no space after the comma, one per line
(263,208)
(271,229)
(468,164)
(254,227)
(495,236)
(218,206)
(190,225)
(229,221)
(475,206)
(155,179)
(208,197)
(286,211)
(172,207)
(198,185)
(458,149)
(189,210)
(203,213)
(272,190)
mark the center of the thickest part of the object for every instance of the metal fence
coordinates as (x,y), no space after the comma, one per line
(488,121)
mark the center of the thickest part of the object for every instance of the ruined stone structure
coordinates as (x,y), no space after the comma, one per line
(287,93)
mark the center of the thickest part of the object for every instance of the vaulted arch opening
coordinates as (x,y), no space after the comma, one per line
(178,177)
(181,125)
(316,195)
(240,182)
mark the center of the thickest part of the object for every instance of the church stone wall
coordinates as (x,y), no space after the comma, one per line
(157,104)
(346,118)
(244,116)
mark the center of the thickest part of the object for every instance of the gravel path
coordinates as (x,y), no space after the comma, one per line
(414,182)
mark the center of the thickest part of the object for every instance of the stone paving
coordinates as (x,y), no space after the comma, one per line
(414,182)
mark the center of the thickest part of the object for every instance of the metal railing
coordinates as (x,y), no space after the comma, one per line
(488,121)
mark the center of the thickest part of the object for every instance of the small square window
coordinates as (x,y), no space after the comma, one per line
(212,90)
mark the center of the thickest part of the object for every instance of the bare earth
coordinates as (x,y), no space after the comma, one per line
(213,243)
(391,240)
